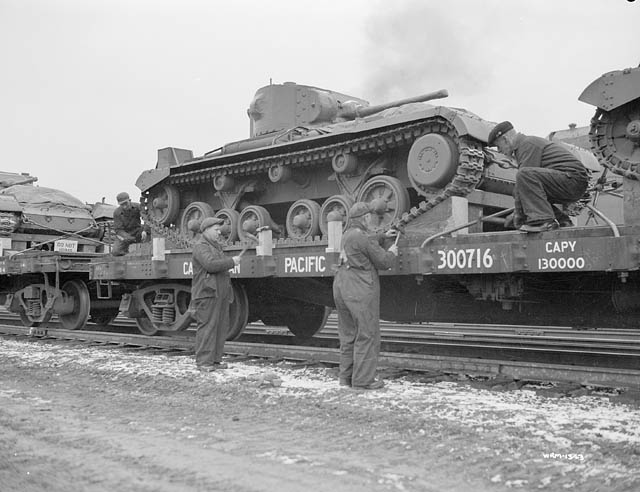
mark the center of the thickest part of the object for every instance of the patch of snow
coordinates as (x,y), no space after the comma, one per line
(561,423)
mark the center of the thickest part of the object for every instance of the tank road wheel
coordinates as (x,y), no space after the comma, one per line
(307,319)
(229,229)
(432,163)
(303,219)
(78,317)
(163,203)
(336,203)
(194,211)
(387,197)
(238,311)
(251,218)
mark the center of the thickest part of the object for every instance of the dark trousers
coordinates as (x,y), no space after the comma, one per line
(537,188)
(357,297)
(122,242)
(212,318)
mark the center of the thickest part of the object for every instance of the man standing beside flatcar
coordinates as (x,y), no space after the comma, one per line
(127,225)
(548,173)
(211,294)
(356,292)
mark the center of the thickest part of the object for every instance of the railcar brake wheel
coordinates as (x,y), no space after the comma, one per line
(78,291)
(251,218)
(194,211)
(336,203)
(229,229)
(163,203)
(238,311)
(387,197)
(303,219)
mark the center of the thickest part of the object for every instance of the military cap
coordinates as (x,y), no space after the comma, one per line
(122,197)
(499,130)
(194,225)
(359,209)
(210,221)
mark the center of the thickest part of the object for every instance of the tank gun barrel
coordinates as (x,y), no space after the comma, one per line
(27,180)
(353,111)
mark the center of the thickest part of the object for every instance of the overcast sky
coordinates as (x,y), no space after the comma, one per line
(90,89)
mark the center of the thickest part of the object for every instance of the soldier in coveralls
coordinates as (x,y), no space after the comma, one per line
(127,225)
(356,292)
(211,294)
(548,173)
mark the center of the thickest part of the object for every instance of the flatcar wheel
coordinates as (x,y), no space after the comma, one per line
(163,203)
(307,320)
(336,203)
(238,311)
(28,322)
(251,218)
(387,197)
(146,326)
(195,211)
(229,229)
(303,219)
(78,317)
(103,319)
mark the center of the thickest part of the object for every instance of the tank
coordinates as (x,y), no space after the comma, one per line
(615,128)
(35,217)
(313,151)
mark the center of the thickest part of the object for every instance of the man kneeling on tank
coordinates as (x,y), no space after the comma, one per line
(547,174)
(127,225)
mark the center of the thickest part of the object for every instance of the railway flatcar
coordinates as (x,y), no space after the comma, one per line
(425,170)
(47,240)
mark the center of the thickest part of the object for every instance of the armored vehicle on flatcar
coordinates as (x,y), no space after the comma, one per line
(313,151)
(47,238)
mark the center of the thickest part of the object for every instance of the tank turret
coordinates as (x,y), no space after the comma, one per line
(278,107)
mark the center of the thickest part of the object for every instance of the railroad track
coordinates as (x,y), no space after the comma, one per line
(549,354)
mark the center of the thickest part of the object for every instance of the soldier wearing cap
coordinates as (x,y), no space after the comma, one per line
(211,294)
(356,292)
(548,173)
(127,225)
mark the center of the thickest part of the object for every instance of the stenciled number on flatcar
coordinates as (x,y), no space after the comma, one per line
(570,263)
(465,258)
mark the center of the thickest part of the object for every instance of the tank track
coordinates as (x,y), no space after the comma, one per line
(603,150)
(468,174)
(171,233)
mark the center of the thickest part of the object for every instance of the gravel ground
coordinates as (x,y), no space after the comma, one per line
(78,418)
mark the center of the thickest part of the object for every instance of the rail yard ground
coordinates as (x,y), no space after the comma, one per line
(81,418)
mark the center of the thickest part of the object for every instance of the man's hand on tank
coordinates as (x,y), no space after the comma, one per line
(236,260)
(144,236)
(393,249)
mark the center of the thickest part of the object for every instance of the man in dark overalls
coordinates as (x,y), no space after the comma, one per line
(548,173)
(356,292)
(127,225)
(211,294)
